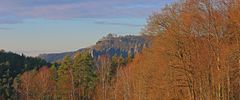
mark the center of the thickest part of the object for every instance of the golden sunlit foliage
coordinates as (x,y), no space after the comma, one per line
(194,54)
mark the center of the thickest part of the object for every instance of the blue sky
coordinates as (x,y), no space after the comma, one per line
(46,26)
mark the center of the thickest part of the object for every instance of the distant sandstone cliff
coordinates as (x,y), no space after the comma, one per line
(110,45)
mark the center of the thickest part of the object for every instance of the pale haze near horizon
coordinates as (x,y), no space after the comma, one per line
(43,26)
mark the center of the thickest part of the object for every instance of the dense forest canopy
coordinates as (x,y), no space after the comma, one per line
(11,66)
(195,54)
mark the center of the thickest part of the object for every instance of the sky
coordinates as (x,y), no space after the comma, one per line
(34,27)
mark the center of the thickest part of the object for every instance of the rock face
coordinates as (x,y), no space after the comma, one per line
(110,45)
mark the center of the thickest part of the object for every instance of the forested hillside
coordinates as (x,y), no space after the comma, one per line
(11,66)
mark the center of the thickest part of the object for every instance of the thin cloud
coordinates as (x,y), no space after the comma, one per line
(119,24)
(19,10)
(4,28)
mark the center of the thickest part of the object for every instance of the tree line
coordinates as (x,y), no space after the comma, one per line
(77,78)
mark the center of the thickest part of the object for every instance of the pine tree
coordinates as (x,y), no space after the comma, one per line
(84,74)
(64,76)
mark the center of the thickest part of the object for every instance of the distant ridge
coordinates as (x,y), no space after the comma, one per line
(109,45)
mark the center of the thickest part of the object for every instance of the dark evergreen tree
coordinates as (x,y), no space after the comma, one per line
(84,74)
(64,85)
